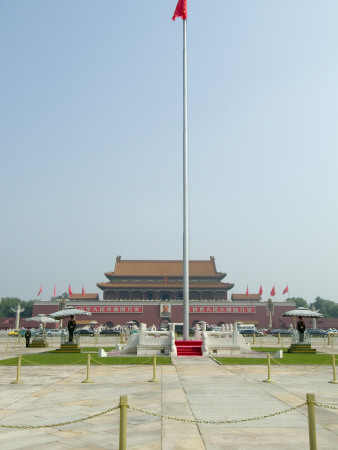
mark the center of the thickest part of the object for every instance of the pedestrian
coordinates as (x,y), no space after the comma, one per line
(71,328)
(301,328)
(28,335)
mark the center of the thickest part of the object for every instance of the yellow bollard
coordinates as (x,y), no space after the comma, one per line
(253,338)
(278,338)
(328,339)
(334,381)
(87,380)
(17,381)
(123,422)
(269,380)
(154,371)
(310,398)
(95,340)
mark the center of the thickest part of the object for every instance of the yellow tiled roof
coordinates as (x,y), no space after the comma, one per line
(164,285)
(156,268)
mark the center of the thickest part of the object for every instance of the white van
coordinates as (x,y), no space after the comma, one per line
(246,327)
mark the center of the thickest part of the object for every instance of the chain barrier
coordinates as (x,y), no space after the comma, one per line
(130,366)
(290,366)
(63,364)
(31,427)
(162,416)
(323,405)
(218,422)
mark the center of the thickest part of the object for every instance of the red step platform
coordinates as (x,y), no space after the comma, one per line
(189,348)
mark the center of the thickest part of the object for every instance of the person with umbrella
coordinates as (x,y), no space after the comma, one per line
(301,328)
(71,328)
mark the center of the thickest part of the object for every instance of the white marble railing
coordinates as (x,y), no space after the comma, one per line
(223,342)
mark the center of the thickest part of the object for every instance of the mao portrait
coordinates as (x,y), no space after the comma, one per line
(165,310)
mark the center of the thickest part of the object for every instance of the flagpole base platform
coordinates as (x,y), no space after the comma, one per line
(68,347)
(36,343)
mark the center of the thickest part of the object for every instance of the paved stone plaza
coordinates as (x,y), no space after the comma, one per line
(192,388)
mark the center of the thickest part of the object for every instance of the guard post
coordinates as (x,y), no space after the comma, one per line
(88,380)
(334,381)
(17,381)
(310,399)
(269,380)
(123,422)
(154,370)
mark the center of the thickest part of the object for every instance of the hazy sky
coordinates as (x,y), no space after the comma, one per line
(91,141)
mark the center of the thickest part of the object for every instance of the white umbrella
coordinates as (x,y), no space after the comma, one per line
(131,321)
(302,312)
(69,312)
(42,318)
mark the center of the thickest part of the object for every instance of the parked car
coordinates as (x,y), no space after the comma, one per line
(55,332)
(84,332)
(21,333)
(332,332)
(16,332)
(317,332)
(281,331)
(251,333)
(109,331)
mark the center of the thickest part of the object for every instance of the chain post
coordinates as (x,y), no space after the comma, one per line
(334,381)
(278,338)
(88,380)
(154,370)
(17,381)
(123,422)
(269,380)
(310,399)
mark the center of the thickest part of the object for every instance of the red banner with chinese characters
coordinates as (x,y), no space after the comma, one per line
(223,309)
(111,309)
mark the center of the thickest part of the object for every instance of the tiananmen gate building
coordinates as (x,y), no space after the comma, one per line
(151,292)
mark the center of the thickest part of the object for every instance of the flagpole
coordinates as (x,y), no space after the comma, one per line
(185,192)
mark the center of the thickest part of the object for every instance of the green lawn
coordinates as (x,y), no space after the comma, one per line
(288,358)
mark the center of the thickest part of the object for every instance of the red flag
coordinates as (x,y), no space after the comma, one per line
(260,290)
(181,10)
(54,290)
(40,291)
(247,291)
(70,290)
(83,291)
(273,292)
(286,289)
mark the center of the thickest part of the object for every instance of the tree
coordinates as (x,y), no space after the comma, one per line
(326,307)
(300,302)
(7,303)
